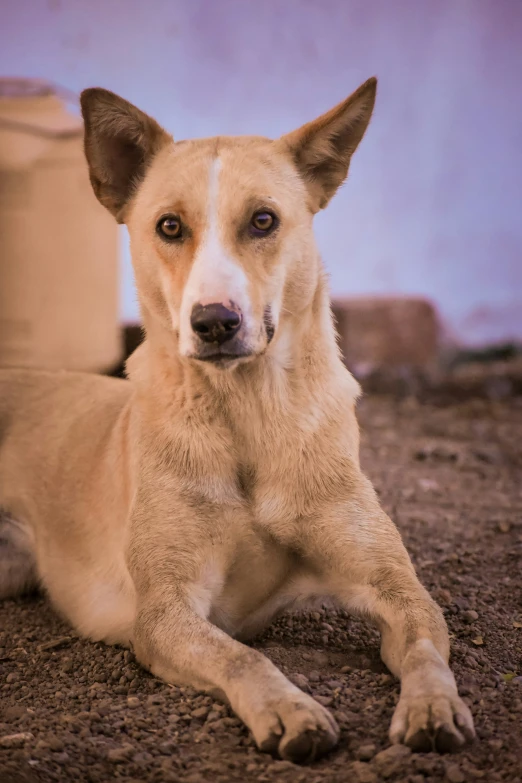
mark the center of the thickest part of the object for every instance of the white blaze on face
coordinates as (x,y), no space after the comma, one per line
(215,278)
(168,293)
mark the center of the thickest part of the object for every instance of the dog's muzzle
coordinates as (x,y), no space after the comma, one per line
(220,333)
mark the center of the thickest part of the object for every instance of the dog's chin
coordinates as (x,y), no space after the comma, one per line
(221,359)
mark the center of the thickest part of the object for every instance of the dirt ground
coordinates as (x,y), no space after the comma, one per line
(451,478)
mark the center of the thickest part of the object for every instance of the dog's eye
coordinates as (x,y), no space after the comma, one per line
(169,227)
(262,223)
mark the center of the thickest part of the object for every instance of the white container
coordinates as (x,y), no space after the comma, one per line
(59,254)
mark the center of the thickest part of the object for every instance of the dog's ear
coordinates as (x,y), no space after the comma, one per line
(120,141)
(322,149)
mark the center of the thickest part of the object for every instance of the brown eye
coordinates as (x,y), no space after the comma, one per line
(262,223)
(169,227)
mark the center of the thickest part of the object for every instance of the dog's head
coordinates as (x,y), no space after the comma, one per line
(221,228)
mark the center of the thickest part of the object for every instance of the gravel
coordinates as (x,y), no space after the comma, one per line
(71,710)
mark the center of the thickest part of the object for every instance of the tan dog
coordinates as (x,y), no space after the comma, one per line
(221,484)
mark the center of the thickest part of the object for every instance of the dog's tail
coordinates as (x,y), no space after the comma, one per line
(17,561)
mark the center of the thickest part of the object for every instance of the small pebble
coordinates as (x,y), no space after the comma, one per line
(361,773)
(393,752)
(366,752)
(200,712)
(13,713)
(390,759)
(16,740)
(282,766)
(334,684)
(56,744)
(118,755)
(454,774)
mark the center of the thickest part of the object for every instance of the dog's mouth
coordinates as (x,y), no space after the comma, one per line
(268,324)
(221,357)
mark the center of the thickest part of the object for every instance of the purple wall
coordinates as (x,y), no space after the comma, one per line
(434,202)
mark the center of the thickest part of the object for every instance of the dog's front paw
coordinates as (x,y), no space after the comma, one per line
(296,727)
(432,721)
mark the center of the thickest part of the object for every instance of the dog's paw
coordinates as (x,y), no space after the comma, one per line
(432,721)
(296,727)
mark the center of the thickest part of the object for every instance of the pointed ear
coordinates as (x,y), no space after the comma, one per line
(322,149)
(120,141)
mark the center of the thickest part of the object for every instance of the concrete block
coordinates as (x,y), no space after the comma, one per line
(387,333)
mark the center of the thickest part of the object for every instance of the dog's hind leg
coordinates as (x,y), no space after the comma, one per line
(17,561)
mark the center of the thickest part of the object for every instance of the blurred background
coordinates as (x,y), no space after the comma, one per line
(433,203)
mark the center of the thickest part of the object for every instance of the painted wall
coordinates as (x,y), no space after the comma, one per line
(434,200)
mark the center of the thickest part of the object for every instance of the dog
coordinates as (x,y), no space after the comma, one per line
(180,510)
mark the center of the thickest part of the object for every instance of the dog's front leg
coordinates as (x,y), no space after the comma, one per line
(365,565)
(173,638)
(181,647)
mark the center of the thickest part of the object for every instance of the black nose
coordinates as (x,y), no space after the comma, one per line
(215,323)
